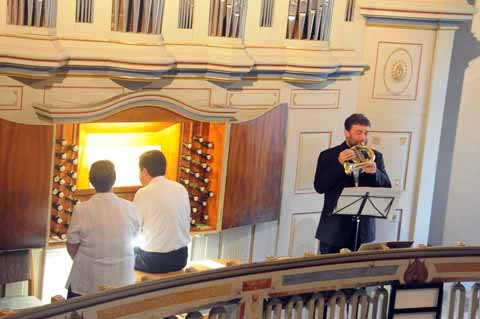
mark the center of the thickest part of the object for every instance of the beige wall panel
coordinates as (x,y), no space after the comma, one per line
(11,97)
(375,99)
(302,236)
(389,229)
(197,247)
(395,147)
(315,99)
(71,96)
(236,243)
(265,238)
(309,147)
(212,246)
(397,69)
(253,98)
(191,96)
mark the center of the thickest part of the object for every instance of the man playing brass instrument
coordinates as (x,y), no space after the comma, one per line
(332,176)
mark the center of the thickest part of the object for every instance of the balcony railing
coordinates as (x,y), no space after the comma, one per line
(357,285)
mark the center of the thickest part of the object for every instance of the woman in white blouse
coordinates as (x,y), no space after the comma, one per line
(100,236)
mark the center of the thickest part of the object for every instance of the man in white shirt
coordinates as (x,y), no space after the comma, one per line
(100,237)
(164,210)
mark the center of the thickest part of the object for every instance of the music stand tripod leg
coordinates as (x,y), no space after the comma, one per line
(357,229)
(357,219)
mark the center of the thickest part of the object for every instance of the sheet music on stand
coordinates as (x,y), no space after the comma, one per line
(376,202)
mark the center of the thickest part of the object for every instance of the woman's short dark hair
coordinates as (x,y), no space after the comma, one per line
(154,162)
(102,176)
(358,119)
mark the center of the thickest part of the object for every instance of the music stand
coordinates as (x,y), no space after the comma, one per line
(375,202)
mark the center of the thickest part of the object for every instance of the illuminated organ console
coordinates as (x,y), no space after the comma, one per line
(199,156)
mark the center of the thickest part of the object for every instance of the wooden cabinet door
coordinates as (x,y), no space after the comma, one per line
(254,174)
(25,172)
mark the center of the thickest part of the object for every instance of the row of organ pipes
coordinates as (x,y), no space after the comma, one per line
(307,19)
(227,17)
(185,14)
(128,15)
(34,13)
(84,11)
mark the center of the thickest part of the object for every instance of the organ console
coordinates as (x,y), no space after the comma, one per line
(195,158)
(184,144)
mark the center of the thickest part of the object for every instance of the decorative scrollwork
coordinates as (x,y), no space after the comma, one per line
(399,70)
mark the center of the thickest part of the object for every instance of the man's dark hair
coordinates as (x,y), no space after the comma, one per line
(154,162)
(358,119)
(102,176)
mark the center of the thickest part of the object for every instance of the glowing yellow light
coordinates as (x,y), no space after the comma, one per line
(125,158)
(123,143)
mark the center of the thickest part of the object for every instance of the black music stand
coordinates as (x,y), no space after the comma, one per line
(357,202)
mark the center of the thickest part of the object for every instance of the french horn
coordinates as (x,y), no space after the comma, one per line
(364,155)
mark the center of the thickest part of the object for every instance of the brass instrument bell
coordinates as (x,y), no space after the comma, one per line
(364,155)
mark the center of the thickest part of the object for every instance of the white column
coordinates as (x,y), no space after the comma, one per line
(433,125)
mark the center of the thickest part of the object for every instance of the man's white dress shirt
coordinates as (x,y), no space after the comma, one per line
(164,210)
(105,227)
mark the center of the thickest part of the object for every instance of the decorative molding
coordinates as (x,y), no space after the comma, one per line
(256,99)
(152,303)
(397,71)
(309,147)
(369,271)
(418,11)
(11,97)
(416,273)
(315,99)
(395,147)
(69,56)
(95,111)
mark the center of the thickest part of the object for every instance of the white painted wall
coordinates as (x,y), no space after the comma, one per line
(463,197)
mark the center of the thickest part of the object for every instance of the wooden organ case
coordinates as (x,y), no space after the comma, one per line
(232,171)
